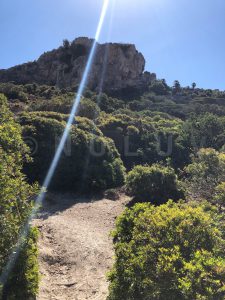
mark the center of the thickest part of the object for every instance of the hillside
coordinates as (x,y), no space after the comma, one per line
(163,146)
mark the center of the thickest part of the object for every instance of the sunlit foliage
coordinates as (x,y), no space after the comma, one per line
(16,197)
(174,251)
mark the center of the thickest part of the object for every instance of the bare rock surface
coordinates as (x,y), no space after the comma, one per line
(75,247)
(115,67)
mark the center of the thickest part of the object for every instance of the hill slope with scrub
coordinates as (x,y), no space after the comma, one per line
(163,146)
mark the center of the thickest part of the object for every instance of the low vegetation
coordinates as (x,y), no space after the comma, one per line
(16,197)
(205,173)
(173,251)
(167,144)
(90,161)
(155,184)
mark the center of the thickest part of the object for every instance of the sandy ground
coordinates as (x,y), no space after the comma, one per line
(75,249)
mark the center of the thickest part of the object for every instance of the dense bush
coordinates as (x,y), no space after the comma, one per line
(23,281)
(88,109)
(63,104)
(205,131)
(81,123)
(28,92)
(174,251)
(152,139)
(16,197)
(157,99)
(60,104)
(206,171)
(182,104)
(13,92)
(219,198)
(89,161)
(155,184)
(108,104)
(159,87)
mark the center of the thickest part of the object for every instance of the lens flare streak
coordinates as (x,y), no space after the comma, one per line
(101,82)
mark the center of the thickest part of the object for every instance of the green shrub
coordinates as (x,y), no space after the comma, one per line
(205,131)
(80,122)
(88,109)
(173,251)
(219,198)
(23,281)
(142,140)
(155,184)
(89,160)
(13,92)
(206,171)
(63,104)
(16,197)
(11,140)
(107,104)
(159,87)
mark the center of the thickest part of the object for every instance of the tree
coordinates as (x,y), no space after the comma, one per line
(176,86)
(173,251)
(66,44)
(193,85)
(164,81)
(155,184)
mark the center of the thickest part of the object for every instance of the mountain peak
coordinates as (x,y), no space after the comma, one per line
(115,67)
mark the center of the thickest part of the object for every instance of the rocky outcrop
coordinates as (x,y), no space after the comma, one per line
(115,67)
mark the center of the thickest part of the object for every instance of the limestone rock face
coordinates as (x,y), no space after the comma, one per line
(115,67)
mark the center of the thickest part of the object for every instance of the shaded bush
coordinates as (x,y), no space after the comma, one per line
(89,161)
(159,87)
(108,104)
(151,139)
(13,92)
(205,131)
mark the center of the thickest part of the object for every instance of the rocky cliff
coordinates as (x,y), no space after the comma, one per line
(116,67)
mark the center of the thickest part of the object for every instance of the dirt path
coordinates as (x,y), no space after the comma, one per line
(75,248)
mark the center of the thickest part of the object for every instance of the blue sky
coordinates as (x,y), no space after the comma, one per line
(180,39)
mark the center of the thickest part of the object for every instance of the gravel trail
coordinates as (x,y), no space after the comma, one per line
(75,249)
